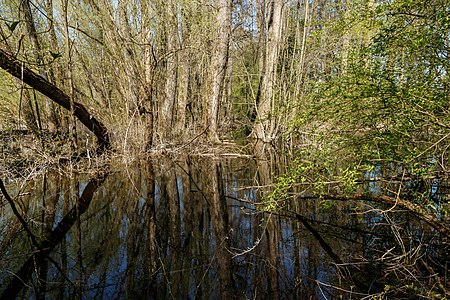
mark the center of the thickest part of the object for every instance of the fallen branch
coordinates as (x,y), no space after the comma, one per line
(16,68)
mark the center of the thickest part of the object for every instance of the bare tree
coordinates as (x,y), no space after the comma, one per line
(264,126)
(69,74)
(170,87)
(218,67)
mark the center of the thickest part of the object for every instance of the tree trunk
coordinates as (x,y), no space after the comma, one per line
(68,55)
(53,118)
(26,107)
(264,126)
(170,86)
(182,98)
(149,70)
(218,67)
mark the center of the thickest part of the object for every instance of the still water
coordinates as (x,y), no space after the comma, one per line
(192,227)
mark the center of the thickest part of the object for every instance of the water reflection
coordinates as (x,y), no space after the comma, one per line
(188,228)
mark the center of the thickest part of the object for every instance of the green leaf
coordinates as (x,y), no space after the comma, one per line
(12,26)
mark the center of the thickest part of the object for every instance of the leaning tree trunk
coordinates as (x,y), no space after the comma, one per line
(15,68)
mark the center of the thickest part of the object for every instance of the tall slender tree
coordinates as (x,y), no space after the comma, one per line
(264,126)
(69,72)
(171,61)
(218,67)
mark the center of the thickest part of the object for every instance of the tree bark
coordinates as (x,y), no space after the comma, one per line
(15,68)
(219,62)
(170,86)
(150,65)
(264,127)
(68,54)
(183,86)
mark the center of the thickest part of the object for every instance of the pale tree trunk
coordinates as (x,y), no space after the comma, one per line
(170,87)
(184,70)
(264,126)
(218,67)
(182,99)
(149,69)
(54,73)
(26,107)
(298,60)
(26,104)
(301,62)
(68,55)
(118,41)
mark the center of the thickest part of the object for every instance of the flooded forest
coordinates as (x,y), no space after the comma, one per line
(225,149)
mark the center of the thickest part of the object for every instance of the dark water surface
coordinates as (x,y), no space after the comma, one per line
(188,228)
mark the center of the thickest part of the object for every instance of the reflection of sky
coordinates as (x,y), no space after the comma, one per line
(181,205)
(59,210)
(374,187)
(287,254)
(157,197)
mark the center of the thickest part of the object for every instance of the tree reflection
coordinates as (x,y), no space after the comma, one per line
(37,261)
(192,227)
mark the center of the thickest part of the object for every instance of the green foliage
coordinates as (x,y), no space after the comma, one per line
(383,295)
(9,100)
(348,179)
(387,106)
(317,173)
(392,103)
(299,173)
